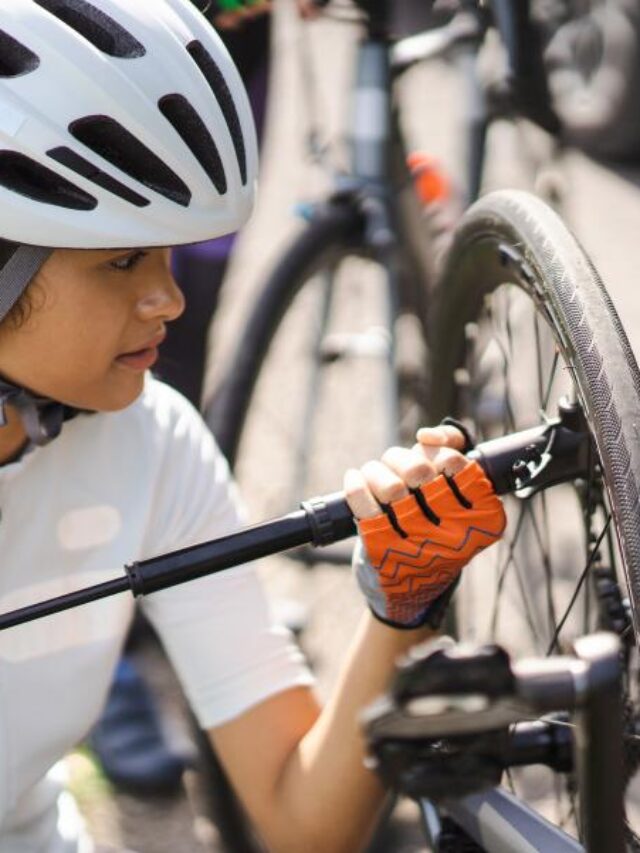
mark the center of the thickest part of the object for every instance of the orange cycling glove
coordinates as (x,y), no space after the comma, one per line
(418,546)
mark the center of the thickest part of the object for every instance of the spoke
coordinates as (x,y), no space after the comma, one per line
(589,510)
(545,395)
(581,580)
(507,320)
(546,561)
(544,401)
(627,736)
(552,376)
(510,425)
(524,594)
(536,334)
(503,570)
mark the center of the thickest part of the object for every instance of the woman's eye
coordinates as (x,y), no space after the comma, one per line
(128,262)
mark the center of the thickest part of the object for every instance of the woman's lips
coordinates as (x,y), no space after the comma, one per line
(141,360)
(144,358)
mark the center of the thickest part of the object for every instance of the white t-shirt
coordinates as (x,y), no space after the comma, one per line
(111,489)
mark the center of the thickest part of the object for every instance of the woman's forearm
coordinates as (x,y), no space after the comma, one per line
(325,774)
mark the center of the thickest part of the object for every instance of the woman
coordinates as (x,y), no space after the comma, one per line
(125,125)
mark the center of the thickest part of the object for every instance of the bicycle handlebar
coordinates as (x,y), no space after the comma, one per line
(519,461)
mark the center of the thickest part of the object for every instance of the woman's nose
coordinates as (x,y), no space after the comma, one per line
(164,300)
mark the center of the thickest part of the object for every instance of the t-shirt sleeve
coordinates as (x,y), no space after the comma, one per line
(217,630)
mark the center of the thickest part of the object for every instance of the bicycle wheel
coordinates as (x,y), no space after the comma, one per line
(523,325)
(330,368)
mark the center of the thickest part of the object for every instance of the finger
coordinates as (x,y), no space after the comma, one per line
(361,502)
(444,460)
(412,466)
(443,435)
(385,485)
(448,461)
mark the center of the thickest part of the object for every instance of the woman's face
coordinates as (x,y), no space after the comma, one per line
(96,320)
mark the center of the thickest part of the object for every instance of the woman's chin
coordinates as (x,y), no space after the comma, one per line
(122,401)
(111,399)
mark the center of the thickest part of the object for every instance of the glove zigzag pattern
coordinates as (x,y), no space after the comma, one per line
(404,576)
(425,575)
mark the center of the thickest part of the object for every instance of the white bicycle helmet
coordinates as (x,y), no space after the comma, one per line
(123,123)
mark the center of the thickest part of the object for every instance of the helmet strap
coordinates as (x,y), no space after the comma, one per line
(41,417)
(19,264)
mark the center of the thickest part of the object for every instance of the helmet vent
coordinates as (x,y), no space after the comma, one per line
(218,85)
(186,121)
(33,180)
(110,140)
(88,170)
(15,58)
(96,27)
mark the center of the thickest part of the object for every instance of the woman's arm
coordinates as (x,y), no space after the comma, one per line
(300,772)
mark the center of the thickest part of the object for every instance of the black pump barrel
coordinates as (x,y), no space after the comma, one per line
(321,521)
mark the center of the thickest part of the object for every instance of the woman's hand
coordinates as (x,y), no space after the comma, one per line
(422,513)
(401,469)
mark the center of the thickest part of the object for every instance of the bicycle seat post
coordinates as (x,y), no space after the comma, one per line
(370,130)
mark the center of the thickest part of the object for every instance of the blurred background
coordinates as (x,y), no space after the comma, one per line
(597,194)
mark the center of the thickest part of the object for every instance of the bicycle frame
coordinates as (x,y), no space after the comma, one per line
(392,231)
(526,92)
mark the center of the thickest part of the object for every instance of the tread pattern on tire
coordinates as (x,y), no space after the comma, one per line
(601,357)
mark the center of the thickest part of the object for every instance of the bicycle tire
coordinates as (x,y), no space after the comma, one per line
(335,232)
(512,252)
(332,228)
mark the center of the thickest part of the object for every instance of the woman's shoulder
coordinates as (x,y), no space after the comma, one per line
(157,424)
(160,411)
